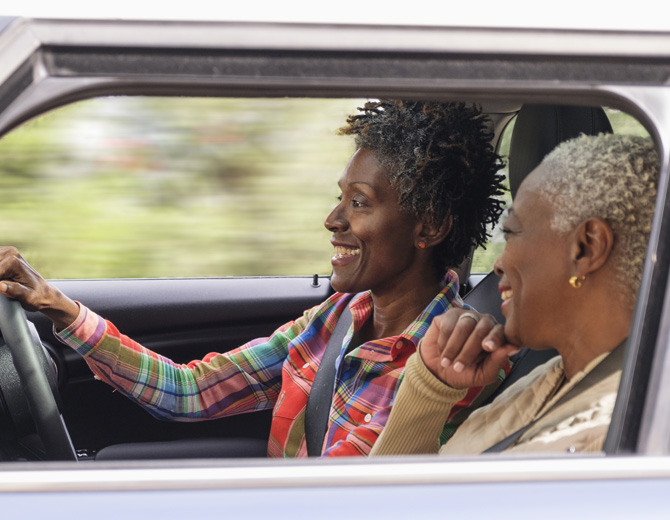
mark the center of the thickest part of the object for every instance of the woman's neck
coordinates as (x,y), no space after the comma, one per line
(599,331)
(393,313)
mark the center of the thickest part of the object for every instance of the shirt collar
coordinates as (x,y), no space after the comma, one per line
(390,348)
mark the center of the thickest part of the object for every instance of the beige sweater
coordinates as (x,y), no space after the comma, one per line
(423,403)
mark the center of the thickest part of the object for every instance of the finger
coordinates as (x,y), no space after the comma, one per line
(445,327)
(495,338)
(472,350)
(427,346)
(441,328)
(11,267)
(17,291)
(16,269)
(12,289)
(9,257)
(432,334)
(6,251)
(495,361)
(460,331)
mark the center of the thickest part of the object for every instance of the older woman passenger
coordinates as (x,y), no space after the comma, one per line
(416,196)
(576,240)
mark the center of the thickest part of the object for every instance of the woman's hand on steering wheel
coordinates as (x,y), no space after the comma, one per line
(464,348)
(19,281)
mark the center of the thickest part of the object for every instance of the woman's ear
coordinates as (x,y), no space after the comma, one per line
(431,235)
(592,246)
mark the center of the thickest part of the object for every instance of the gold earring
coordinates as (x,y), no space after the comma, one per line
(576,281)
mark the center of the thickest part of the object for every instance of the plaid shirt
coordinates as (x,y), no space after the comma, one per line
(275,372)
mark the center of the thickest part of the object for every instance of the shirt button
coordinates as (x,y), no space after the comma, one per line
(368,418)
(305,365)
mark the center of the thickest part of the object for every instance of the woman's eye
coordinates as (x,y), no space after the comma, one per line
(355,202)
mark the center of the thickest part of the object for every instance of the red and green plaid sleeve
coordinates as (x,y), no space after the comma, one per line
(243,380)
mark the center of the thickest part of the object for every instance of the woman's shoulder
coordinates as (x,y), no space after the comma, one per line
(545,374)
(578,425)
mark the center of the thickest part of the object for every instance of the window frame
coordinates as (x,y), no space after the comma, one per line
(57,62)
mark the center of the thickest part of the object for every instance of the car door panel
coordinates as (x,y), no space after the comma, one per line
(183,319)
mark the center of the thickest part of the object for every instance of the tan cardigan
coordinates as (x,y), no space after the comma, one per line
(423,403)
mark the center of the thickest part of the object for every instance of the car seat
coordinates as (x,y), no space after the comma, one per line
(537,131)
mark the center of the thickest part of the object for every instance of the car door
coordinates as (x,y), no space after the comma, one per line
(55,63)
(197,221)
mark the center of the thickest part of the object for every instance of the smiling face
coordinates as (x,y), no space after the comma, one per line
(375,243)
(534,268)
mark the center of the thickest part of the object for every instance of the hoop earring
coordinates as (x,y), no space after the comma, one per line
(422,244)
(576,282)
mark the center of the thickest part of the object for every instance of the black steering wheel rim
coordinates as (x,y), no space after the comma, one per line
(41,402)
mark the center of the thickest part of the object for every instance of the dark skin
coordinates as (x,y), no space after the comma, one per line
(542,310)
(21,282)
(380,251)
(386,257)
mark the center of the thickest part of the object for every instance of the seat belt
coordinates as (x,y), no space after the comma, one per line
(321,395)
(605,368)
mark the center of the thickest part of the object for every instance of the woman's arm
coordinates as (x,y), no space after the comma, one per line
(462,350)
(419,413)
(243,380)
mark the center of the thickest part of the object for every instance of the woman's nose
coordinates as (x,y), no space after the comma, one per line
(336,220)
(497,266)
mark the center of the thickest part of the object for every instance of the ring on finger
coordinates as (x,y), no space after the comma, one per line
(470,315)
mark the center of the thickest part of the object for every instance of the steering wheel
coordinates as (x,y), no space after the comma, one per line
(29,360)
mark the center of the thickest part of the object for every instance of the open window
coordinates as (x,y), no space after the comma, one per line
(222,82)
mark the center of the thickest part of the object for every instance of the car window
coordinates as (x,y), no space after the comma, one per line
(158,187)
(484,257)
(136,187)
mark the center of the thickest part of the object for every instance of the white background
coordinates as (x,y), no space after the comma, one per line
(634,14)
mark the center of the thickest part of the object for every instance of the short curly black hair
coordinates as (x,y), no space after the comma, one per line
(440,159)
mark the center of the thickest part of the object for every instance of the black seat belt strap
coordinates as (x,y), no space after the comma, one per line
(605,368)
(321,395)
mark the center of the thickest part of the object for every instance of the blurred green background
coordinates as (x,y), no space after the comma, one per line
(154,187)
(125,187)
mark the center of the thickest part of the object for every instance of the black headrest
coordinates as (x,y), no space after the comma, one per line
(540,128)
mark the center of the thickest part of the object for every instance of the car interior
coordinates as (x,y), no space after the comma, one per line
(175,176)
(182,319)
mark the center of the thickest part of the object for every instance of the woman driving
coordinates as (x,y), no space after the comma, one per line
(416,197)
(576,240)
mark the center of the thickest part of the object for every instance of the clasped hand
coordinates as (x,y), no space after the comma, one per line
(464,348)
(19,281)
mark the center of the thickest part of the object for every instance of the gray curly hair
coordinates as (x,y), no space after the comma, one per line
(608,176)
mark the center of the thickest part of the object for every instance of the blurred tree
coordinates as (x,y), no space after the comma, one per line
(152,187)
(142,187)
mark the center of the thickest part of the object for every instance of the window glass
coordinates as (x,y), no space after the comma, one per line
(152,187)
(623,123)
(484,257)
(156,187)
